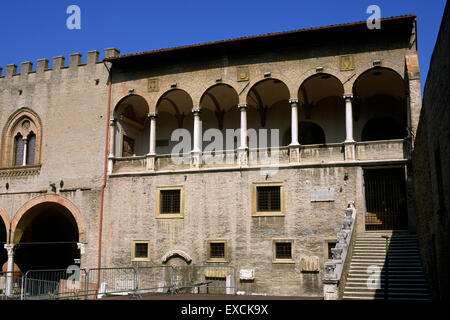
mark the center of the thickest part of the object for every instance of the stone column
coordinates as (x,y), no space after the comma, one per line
(112,131)
(10,269)
(81,247)
(294,147)
(25,145)
(243,147)
(151,156)
(196,153)
(349,142)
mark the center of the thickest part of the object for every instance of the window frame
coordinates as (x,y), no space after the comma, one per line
(160,215)
(274,251)
(255,212)
(208,251)
(133,250)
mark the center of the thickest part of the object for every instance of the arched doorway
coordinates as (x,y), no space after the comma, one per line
(46,234)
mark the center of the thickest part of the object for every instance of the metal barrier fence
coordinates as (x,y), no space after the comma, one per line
(98,283)
(156,279)
(10,284)
(110,281)
(215,279)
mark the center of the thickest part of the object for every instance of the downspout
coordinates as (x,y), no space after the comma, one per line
(99,263)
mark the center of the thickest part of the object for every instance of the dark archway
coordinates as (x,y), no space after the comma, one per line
(49,236)
(309,133)
(383,128)
(379,99)
(3,240)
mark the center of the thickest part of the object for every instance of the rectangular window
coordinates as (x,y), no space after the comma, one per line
(217,251)
(268,199)
(169,202)
(140,250)
(282,251)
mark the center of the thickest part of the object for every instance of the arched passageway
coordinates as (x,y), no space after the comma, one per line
(268,108)
(46,237)
(132,127)
(174,110)
(379,106)
(321,110)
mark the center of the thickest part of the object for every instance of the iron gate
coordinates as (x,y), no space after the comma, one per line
(385,191)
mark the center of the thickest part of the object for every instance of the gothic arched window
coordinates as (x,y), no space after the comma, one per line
(21,140)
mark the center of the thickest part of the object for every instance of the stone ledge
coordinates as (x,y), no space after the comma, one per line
(23,171)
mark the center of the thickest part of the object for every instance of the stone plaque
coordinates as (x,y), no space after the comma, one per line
(153,85)
(247,274)
(243,74)
(346,63)
(322,195)
(310,264)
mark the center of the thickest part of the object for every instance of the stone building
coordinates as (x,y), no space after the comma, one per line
(431,166)
(94,165)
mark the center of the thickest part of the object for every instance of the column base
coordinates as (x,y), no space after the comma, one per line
(151,161)
(350,150)
(110,164)
(196,159)
(294,153)
(243,157)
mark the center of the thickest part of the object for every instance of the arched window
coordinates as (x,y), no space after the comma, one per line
(21,139)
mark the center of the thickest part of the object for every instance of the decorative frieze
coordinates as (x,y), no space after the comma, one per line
(19,172)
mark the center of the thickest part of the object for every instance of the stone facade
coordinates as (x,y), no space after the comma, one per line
(431,167)
(72,103)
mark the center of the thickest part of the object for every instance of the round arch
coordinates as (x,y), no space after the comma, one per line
(21,219)
(168,92)
(176,253)
(254,83)
(208,86)
(5,217)
(135,98)
(393,75)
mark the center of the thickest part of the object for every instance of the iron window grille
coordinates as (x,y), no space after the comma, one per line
(283,250)
(268,198)
(170,201)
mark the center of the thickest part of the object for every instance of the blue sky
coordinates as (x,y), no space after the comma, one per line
(31,29)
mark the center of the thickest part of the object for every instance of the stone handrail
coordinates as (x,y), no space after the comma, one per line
(334,268)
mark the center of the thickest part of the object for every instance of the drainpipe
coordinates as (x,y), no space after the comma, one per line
(99,263)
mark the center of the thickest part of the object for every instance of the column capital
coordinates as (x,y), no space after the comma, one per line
(25,139)
(196,110)
(81,247)
(153,115)
(348,96)
(293,101)
(10,248)
(112,121)
(242,106)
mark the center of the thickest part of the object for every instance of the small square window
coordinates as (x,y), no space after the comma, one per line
(268,199)
(141,251)
(217,250)
(169,202)
(282,251)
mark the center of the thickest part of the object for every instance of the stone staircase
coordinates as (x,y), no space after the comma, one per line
(372,271)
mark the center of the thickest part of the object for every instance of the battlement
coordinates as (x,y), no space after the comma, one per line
(58,63)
